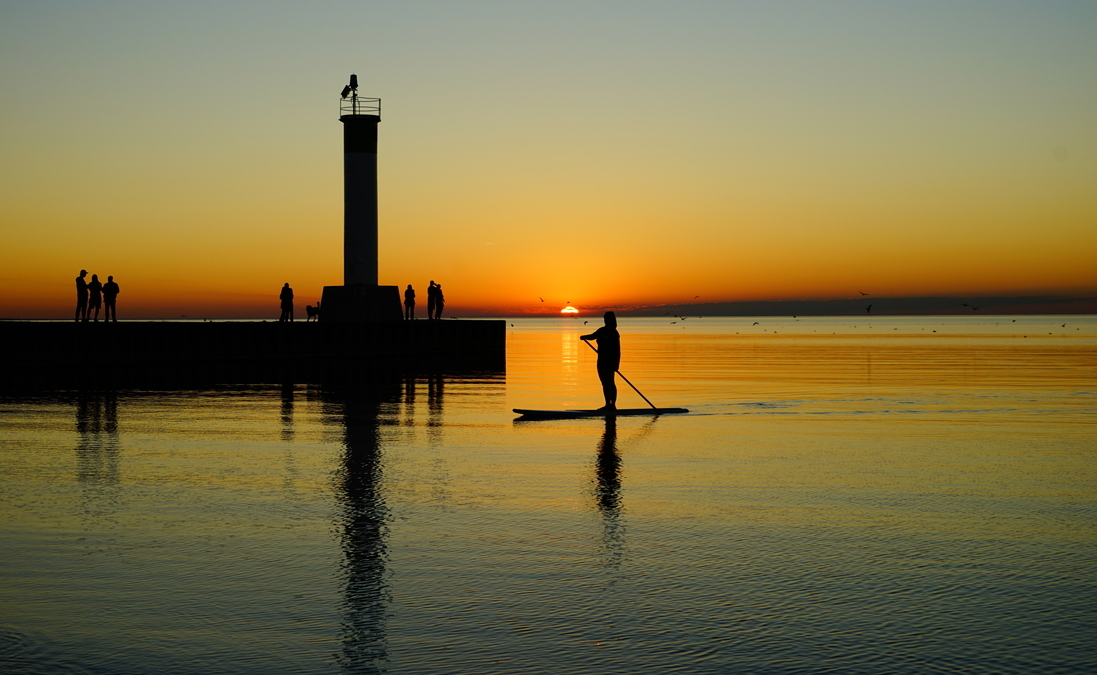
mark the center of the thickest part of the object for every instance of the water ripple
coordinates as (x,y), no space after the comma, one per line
(22,653)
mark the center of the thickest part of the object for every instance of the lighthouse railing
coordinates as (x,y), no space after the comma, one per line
(359,105)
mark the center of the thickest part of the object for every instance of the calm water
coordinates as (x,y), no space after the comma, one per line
(845,496)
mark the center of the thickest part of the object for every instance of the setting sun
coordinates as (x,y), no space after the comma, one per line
(570,311)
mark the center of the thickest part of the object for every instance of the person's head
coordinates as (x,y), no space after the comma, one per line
(83,273)
(95,277)
(409,287)
(432,282)
(286,285)
(611,319)
(110,278)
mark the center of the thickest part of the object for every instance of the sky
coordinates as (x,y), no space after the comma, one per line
(610,154)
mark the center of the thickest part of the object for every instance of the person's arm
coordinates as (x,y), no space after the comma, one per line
(592,336)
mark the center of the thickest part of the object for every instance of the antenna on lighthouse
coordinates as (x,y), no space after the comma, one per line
(352,91)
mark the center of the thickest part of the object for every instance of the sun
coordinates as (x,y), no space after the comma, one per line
(569,311)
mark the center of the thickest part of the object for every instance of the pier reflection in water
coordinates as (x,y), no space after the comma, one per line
(288,393)
(436,393)
(98,453)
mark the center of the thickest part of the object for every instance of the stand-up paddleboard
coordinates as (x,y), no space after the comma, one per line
(574,414)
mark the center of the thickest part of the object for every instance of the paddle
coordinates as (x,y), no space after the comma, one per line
(624,378)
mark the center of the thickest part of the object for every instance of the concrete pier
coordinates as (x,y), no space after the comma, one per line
(56,355)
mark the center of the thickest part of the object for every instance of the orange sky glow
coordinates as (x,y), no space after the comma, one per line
(608,159)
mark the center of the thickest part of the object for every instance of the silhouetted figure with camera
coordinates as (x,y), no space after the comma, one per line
(95,297)
(609,357)
(110,295)
(82,297)
(286,296)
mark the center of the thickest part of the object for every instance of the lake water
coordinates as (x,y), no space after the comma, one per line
(900,494)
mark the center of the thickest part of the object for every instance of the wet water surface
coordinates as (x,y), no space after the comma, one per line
(849,499)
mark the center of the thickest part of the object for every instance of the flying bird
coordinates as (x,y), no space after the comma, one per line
(868,309)
(754,324)
(862,293)
(972,307)
(540,298)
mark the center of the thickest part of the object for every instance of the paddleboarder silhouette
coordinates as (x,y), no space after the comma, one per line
(609,357)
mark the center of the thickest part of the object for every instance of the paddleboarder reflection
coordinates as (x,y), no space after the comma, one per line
(609,358)
(608,471)
(607,496)
(606,491)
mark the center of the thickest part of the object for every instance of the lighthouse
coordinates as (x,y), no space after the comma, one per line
(360,298)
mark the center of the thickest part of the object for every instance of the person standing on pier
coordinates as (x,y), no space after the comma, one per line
(82,297)
(286,296)
(409,303)
(609,357)
(439,301)
(432,299)
(110,294)
(95,297)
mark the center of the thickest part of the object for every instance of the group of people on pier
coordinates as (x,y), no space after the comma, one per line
(435,301)
(95,295)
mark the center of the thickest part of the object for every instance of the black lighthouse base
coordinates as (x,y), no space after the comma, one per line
(359,303)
